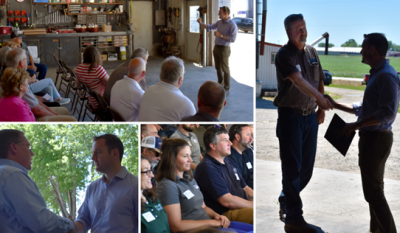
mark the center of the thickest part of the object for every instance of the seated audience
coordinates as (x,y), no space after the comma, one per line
(210,101)
(224,189)
(92,74)
(148,130)
(240,136)
(154,218)
(150,149)
(3,58)
(17,58)
(180,195)
(33,68)
(122,70)
(126,95)
(14,83)
(164,101)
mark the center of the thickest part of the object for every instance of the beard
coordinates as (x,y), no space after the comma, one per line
(187,128)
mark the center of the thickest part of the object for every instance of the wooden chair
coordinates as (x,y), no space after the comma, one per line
(115,114)
(103,113)
(88,105)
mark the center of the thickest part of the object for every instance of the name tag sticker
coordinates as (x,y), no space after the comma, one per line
(298,67)
(188,194)
(249,165)
(148,216)
(237,177)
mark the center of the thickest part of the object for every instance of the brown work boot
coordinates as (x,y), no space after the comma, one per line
(299,227)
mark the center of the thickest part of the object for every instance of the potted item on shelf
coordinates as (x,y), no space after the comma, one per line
(80,28)
(93,28)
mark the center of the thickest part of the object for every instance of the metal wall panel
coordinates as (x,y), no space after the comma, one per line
(266,73)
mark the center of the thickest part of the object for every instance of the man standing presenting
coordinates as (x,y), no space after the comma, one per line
(126,94)
(111,202)
(376,115)
(225,33)
(300,88)
(23,208)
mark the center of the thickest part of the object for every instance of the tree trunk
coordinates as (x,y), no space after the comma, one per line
(59,198)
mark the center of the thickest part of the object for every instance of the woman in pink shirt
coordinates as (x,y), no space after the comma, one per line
(91,73)
(12,107)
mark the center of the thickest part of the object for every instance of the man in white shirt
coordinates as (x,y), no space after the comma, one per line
(164,101)
(126,94)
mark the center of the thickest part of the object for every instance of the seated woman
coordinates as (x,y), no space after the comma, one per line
(14,83)
(181,196)
(154,218)
(91,73)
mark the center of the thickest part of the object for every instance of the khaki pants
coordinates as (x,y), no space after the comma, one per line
(221,59)
(240,215)
(64,115)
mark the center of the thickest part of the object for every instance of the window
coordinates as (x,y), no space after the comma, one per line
(273,55)
(194,15)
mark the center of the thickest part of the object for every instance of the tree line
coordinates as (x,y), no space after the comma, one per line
(353,43)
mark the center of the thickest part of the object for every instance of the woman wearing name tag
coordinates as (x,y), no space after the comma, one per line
(154,218)
(181,196)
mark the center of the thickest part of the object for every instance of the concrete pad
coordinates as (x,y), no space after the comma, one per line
(333,200)
(239,106)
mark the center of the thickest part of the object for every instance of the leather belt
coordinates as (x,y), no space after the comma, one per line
(303,112)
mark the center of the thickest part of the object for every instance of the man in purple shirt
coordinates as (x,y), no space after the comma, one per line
(376,115)
(225,34)
(111,202)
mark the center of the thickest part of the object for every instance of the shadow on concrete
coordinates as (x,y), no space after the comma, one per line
(264,104)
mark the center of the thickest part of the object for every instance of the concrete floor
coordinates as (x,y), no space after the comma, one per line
(333,200)
(240,102)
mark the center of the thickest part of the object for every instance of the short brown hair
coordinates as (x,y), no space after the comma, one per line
(140,52)
(12,79)
(169,152)
(8,136)
(236,129)
(112,142)
(92,56)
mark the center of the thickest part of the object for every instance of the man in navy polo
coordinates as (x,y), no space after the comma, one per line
(223,187)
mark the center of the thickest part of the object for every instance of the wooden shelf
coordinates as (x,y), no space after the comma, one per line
(95,13)
(85,3)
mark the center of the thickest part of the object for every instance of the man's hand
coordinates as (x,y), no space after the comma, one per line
(32,67)
(32,79)
(40,98)
(217,34)
(349,128)
(225,223)
(330,100)
(324,103)
(320,116)
(199,21)
(158,127)
(75,228)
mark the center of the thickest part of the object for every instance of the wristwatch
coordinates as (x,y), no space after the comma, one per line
(222,36)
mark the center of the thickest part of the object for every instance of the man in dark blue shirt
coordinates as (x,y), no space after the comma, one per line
(223,187)
(240,136)
(376,115)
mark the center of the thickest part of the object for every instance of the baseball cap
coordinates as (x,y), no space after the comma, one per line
(14,34)
(152,142)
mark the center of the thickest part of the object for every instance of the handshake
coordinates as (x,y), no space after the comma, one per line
(326,102)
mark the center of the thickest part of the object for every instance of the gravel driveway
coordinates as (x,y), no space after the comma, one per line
(327,156)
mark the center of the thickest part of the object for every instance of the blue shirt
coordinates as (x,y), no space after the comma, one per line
(381,97)
(111,207)
(22,207)
(216,179)
(227,28)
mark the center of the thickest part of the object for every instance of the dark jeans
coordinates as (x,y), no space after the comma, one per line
(374,149)
(297,144)
(41,69)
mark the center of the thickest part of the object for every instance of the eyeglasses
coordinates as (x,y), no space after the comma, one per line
(148,172)
(30,148)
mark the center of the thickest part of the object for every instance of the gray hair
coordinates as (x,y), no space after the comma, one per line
(292,19)
(172,69)
(140,52)
(3,54)
(15,56)
(139,67)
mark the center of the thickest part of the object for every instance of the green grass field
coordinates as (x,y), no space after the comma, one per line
(350,66)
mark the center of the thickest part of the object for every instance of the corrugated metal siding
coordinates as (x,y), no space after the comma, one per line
(266,72)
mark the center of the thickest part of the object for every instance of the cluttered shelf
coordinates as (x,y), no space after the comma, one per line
(75,3)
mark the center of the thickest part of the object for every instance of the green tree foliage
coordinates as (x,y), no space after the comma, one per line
(350,43)
(323,45)
(62,164)
(393,46)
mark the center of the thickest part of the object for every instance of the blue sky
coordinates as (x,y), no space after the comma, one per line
(342,19)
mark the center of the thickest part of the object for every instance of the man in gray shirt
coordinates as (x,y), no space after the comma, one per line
(185,132)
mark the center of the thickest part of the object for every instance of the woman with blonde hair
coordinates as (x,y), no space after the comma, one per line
(91,73)
(14,83)
(181,196)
